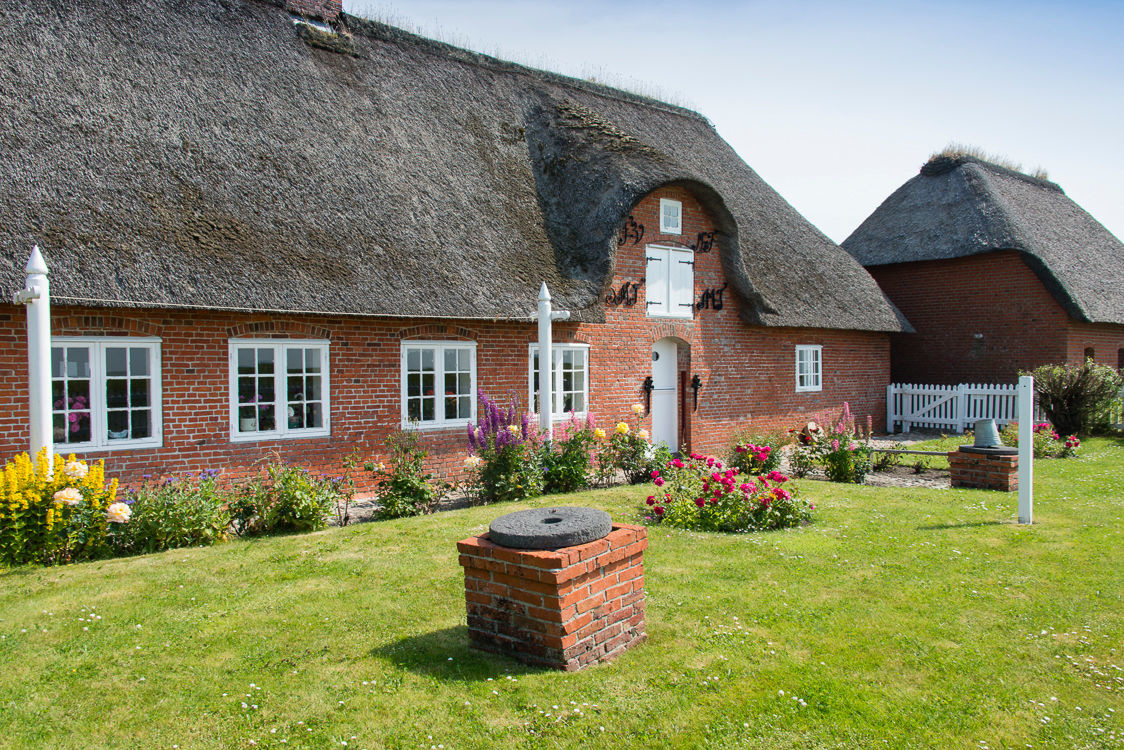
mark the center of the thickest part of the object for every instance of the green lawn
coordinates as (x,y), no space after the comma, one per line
(900,618)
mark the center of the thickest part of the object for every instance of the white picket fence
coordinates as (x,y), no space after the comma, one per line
(949,407)
(1116,414)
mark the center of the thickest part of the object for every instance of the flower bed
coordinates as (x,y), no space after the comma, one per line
(1047,442)
(702,494)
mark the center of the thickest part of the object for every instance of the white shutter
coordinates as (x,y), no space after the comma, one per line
(656,281)
(682,296)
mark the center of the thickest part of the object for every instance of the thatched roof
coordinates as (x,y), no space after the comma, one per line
(965,206)
(212,153)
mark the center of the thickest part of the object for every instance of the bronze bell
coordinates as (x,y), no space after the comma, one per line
(987,435)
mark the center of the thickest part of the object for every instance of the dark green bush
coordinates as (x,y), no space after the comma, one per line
(1076,398)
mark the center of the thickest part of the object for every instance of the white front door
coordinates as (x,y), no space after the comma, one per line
(665,406)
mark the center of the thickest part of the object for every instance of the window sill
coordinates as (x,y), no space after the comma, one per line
(459,424)
(261,437)
(113,447)
(810,390)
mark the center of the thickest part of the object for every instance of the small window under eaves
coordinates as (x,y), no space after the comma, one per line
(313,23)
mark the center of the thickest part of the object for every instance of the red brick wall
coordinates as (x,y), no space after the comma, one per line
(748,373)
(1106,341)
(949,301)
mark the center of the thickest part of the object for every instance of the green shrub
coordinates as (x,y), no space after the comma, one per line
(184,512)
(1077,398)
(405,489)
(505,461)
(566,460)
(58,512)
(884,461)
(286,499)
(838,445)
(701,494)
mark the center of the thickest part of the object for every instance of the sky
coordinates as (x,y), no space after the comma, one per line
(838,104)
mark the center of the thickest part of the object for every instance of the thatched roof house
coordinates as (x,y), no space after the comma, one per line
(303,231)
(971,222)
(214,154)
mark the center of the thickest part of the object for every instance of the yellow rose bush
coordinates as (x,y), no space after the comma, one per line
(56,513)
(629,450)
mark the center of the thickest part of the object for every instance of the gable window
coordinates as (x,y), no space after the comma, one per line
(278,389)
(671,216)
(569,383)
(105,393)
(438,382)
(809,368)
(670,282)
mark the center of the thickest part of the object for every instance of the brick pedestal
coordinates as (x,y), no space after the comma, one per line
(984,468)
(565,608)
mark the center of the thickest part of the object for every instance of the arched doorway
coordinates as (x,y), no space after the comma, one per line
(665,392)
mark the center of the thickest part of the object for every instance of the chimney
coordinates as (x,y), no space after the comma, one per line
(326,10)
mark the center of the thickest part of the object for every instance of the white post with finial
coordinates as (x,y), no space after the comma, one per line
(1026,449)
(37,296)
(546,362)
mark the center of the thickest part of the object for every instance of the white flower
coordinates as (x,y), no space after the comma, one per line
(642,433)
(473,462)
(69,496)
(118,513)
(638,409)
(76,470)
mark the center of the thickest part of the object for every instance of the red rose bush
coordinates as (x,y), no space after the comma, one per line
(702,494)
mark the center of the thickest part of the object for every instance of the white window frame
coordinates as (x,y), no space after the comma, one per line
(677,228)
(659,301)
(281,431)
(439,347)
(814,379)
(533,384)
(98,410)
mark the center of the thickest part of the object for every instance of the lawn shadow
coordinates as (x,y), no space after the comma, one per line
(966,525)
(446,655)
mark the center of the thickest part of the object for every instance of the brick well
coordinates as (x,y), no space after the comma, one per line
(985,471)
(564,608)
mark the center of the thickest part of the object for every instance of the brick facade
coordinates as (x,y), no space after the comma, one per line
(984,471)
(747,372)
(981,319)
(565,608)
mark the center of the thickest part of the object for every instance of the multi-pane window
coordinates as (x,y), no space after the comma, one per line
(670,282)
(105,393)
(279,389)
(438,382)
(569,383)
(809,368)
(671,216)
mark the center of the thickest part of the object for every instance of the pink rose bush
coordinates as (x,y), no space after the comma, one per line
(1047,442)
(703,495)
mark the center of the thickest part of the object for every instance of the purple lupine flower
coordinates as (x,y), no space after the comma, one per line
(526,424)
(471,438)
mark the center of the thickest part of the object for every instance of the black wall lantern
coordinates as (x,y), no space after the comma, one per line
(648,387)
(696,384)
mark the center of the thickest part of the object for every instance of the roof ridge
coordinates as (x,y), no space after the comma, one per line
(380,31)
(944,164)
